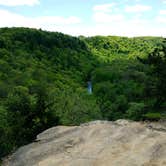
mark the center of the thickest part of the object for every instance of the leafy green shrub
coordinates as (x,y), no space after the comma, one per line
(74,108)
(6,143)
(135,111)
(153,116)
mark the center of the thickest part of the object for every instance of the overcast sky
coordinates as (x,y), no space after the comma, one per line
(87,17)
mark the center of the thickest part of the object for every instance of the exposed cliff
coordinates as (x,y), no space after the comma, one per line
(99,143)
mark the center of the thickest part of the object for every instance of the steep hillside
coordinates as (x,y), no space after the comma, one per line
(115,47)
(42,83)
(44,75)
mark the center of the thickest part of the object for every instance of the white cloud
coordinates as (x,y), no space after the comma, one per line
(164,1)
(104,24)
(103,7)
(107,21)
(106,13)
(100,17)
(162,12)
(137,8)
(120,29)
(161,19)
(19,2)
(11,19)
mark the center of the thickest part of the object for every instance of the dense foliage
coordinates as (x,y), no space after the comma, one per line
(43,81)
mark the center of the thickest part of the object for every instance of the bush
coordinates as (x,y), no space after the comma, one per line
(5,142)
(153,116)
(135,111)
(74,108)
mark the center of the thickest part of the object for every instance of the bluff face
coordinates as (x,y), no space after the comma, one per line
(98,143)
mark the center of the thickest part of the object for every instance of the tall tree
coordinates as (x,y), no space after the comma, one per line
(156,88)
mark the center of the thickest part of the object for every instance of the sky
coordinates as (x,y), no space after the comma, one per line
(87,17)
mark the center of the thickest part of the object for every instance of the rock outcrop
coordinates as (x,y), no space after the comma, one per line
(99,143)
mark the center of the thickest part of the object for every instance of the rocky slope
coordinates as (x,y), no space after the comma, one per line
(99,143)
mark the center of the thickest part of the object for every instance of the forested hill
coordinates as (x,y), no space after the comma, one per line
(43,81)
(107,48)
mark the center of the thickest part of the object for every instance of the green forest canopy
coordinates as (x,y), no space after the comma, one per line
(43,81)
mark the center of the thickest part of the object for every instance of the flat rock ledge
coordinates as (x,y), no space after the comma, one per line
(98,143)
